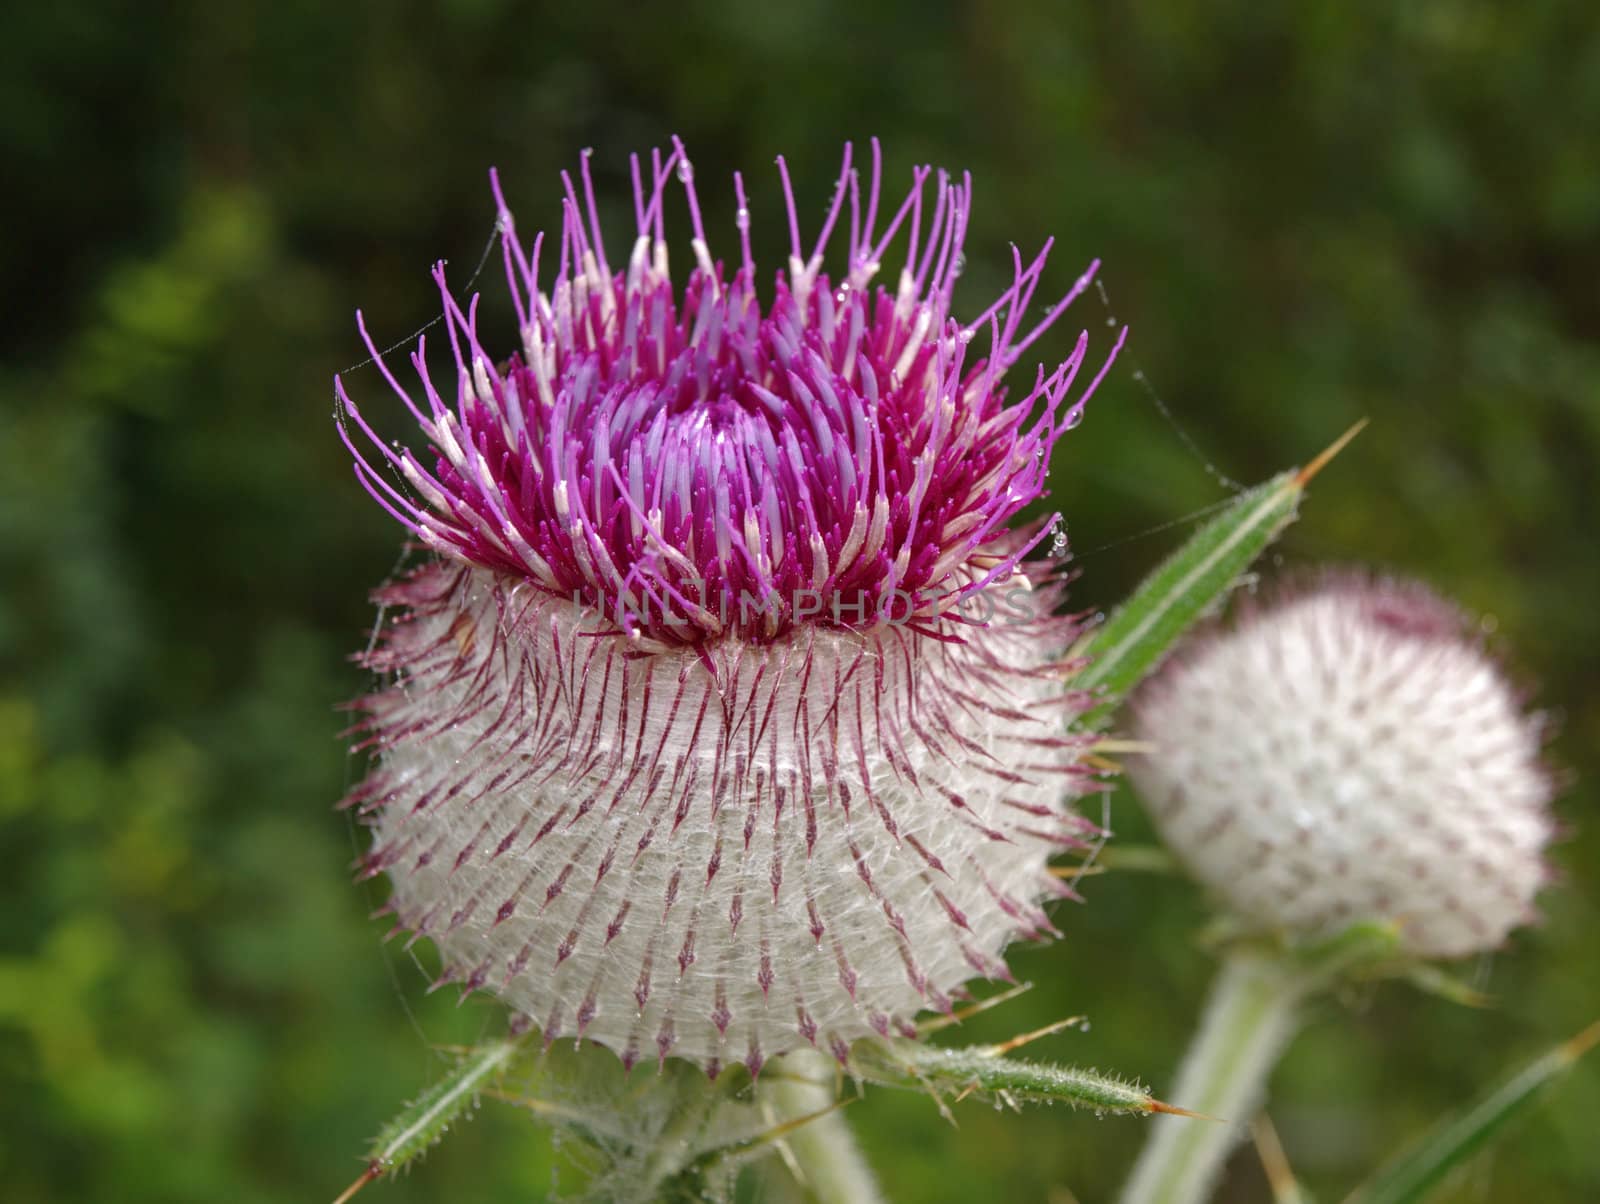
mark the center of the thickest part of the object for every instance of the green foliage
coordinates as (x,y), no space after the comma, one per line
(1308,214)
(427,1118)
(1414,1175)
(950,1075)
(1192,582)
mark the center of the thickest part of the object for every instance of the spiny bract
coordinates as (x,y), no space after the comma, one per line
(730,714)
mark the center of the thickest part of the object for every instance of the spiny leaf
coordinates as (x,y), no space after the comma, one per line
(425,1119)
(1413,1175)
(1189,584)
(951,1075)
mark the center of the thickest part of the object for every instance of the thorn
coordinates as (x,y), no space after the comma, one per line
(939,1102)
(778,1132)
(1429,978)
(538,1107)
(1303,477)
(1572,1050)
(1114,744)
(1143,859)
(372,1172)
(1018,1042)
(936,1023)
(1074,872)
(1273,1161)
(1156,1105)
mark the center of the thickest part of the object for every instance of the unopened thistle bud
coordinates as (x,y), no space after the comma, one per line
(1351,753)
(730,714)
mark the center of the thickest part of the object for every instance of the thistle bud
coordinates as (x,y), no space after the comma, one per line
(1350,753)
(731,715)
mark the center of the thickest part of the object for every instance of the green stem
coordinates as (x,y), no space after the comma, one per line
(1250,1018)
(831,1166)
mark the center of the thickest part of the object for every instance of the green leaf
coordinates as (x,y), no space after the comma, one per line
(951,1075)
(1412,1176)
(424,1121)
(1189,585)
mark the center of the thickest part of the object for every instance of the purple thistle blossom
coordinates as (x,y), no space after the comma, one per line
(731,715)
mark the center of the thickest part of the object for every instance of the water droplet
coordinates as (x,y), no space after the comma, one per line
(964,337)
(685,170)
(1084,1027)
(741,219)
(959,266)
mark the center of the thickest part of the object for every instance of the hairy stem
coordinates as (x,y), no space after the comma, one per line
(823,1150)
(1252,1014)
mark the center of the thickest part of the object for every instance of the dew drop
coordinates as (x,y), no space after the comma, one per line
(741,219)
(964,337)
(959,266)
(685,170)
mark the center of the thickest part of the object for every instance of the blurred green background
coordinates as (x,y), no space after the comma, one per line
(1308,214)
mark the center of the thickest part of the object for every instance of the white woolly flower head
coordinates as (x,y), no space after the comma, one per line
(732,716)
(1350,753)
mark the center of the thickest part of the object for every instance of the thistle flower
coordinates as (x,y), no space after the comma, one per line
(1351,753)
(730,715)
